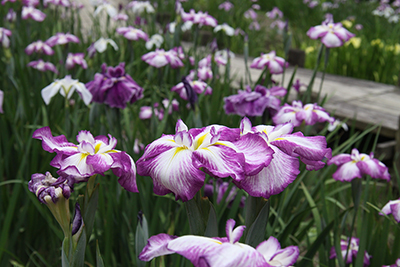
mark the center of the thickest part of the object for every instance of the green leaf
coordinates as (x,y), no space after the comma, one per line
(99,260)
(212,223)
(141,236)
(256,232)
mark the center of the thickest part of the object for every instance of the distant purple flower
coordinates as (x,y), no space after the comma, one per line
(114,87)
(331,34)
(250,14)
(5,1)
(93,155)
(49,189)
(392,207)
(61,39)
(1,101)
(29,12)
(221,252)
(297,85)
(146,112)
(204,73)
(120,16)
(137,146)
(313,4)
(274,64)
(43,66)
(297,113)
(357,164)
(274,13)
(256,7)
(39,47)
(221,187)
(396,264)
(278,24)
(358,27)
(132,33)
(254,25)
(226,6)
(198,86)
(160,58)
(78,58)
(11,15)
(200,18)
(352,253)
(64,3)
(4,34)
(253,103)
(30,2)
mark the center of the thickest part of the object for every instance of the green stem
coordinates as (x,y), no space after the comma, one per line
(307,95)
(323,73)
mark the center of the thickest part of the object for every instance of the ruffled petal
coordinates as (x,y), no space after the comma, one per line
(269,247)
(52,143)
(125,169)
(274,178)
(100,162)
(171,168)
(347,172)
(156,246)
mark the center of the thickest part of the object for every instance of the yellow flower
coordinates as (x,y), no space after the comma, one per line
(377,42)
(347,23)
(397,49)
(310,49)
(355,41)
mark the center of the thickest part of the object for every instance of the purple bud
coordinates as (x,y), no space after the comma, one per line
(191,94)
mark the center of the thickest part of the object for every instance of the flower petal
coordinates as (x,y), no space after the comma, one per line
(125,169)
(156,246)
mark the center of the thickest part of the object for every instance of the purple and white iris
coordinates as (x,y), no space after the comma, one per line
(61,39)
(161,58)
(39,47)
(254,103)
(93,155)
(331,34)
(198,86)
(76,59)
(174,161)
(43,66)
(392,207)
(296,113)
(396,264)
(221,252)
(357,164)
(284,166)
(226,6)
(114,87)
(4,34)
(132,33)
(30,12)
(352,253)
(274,63)
(200,18)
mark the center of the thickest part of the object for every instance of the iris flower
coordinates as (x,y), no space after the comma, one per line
(93,155)
(39,47)
(352,253)
(132,33)
(161,58)
(43,66)
(226,6)
(66,87)
(61,39)
(1,101)
(175,162)
(284,166)
(296,113)
(226,28)
(392,207)
(331,34)
(4,34)
(396,264)
(78,59)
(274,64)
(29,12)
(357,164)
(221,252)
(200,18)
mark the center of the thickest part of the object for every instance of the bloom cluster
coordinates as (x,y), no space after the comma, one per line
(262,160)
(221,252)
